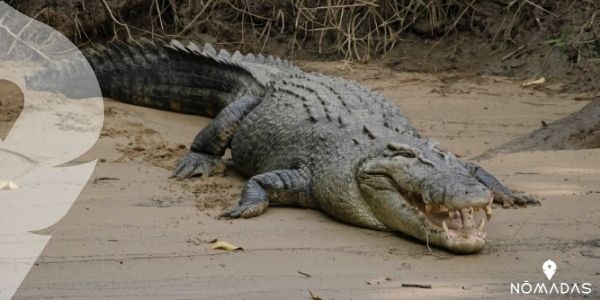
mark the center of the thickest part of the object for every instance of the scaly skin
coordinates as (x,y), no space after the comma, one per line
(306,139)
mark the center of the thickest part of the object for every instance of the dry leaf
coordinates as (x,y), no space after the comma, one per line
(222,245)
(12,185)
(535,82)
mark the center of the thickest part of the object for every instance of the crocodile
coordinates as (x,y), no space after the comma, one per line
(303,139)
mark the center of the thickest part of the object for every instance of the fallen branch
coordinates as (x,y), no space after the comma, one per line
(416,285)
(304,274)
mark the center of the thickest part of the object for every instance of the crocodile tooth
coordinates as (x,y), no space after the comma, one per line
(3,184)
(481,224)
(467,218)
(445,227)
(451,214)
(488,212)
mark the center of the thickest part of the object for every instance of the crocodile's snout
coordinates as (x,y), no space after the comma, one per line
(454,213)
(454,191)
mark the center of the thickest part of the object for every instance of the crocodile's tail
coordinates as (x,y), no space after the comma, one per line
(170,77)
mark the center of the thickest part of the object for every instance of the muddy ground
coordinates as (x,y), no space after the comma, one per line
(135,234)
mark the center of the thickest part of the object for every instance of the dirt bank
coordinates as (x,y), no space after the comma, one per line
(558,40)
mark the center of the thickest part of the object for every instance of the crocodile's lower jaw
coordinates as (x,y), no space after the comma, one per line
(461,230)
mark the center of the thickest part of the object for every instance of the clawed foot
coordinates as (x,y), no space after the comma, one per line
(196,164)
(246,210)
(512,200)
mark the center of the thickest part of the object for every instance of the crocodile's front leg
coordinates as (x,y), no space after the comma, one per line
(502,195)
(210,144)
(286,187)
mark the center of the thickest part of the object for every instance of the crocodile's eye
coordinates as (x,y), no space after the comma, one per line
(405,152)
(397,149)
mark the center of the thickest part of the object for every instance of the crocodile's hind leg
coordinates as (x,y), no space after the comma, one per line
(502,195)
(210,144)
(285,187)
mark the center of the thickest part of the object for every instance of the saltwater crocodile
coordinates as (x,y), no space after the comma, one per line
(304,139)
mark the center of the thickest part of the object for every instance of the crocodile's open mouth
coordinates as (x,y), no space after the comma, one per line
(456,224)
